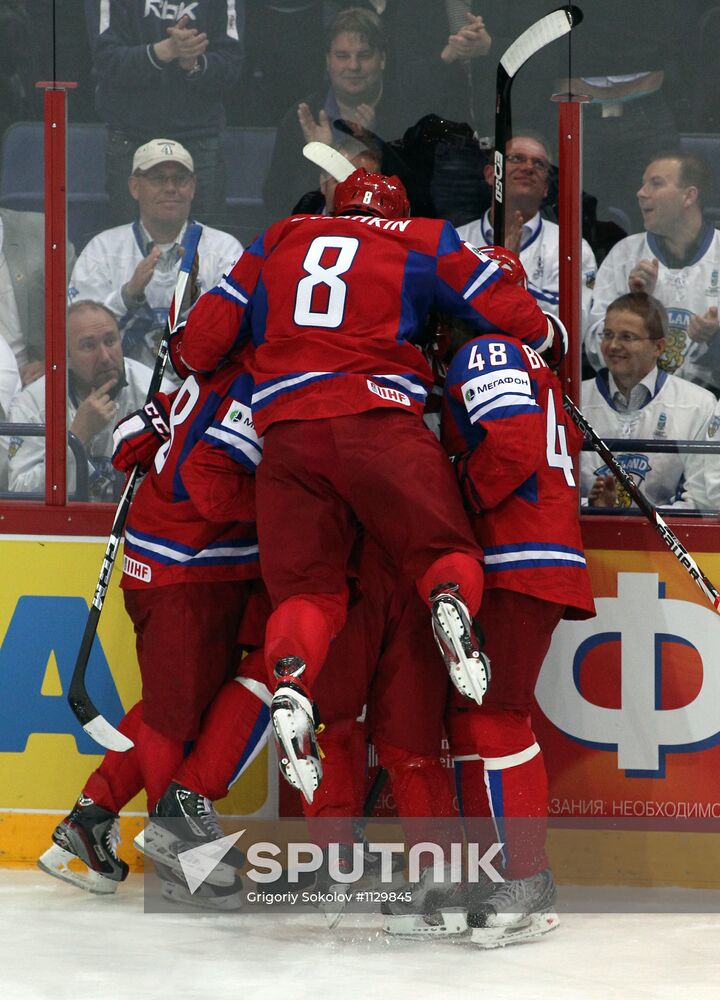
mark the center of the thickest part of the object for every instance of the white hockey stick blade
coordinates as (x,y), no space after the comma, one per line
(554,25)
(106,735)
(329,160)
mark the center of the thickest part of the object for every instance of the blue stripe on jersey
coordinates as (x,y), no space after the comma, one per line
(230,551)
(506,405)
(242,449)
(197,427)
(528,490)
(449,241)
(257,313)
(531,555)
(234,434)
(228,288)
(407,383)
(268,391)
(415,296)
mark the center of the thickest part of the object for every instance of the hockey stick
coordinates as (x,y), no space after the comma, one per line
(328,159)
(668,536)
(85,712)
(550,27)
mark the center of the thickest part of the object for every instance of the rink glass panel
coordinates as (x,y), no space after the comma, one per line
(53,551)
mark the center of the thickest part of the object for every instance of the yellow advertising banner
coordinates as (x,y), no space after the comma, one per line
(629,708)
(45,756)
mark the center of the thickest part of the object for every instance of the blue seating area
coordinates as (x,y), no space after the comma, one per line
(247,158)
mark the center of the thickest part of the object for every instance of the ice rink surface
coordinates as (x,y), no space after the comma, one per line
(59,943)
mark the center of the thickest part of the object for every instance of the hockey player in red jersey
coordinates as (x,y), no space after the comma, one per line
(335,307)
(516,452)
(190,576)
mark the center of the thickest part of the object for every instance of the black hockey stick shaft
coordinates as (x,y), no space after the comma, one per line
(668,536)
(547,29)
(374,791)
(78,698)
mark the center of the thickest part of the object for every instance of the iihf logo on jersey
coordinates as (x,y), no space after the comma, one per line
(713,426)
(618,684)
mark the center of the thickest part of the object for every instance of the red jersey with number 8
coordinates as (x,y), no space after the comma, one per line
(337,307)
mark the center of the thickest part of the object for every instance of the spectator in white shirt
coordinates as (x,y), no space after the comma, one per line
(133,269)
(103,387)
(677,260)
(527,233)
(634,398)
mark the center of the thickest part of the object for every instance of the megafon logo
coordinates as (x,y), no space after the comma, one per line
(646,625)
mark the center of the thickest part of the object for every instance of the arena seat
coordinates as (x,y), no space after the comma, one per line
(21,176)
(247,152)
(707,145)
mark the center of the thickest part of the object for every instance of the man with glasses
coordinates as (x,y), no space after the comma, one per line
(677,260)
(633,397)
(133,269)
(528,234)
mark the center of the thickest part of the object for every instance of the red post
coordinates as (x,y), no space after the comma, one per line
(55,138)
(570,221)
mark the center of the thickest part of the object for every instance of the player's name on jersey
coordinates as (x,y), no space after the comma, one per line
(369,220)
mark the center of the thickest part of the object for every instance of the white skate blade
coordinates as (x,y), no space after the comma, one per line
(56,862)
(301,773)
(530,928)
(175,893)
(446,923)
(469,675)
(163,847)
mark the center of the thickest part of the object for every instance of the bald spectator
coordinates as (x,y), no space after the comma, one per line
(676,261)
(103,387)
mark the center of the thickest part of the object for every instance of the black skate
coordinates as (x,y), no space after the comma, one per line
(182,820)
(428,908)
(90,834)
(517,911)
(222,898)
(295,722)
(460,642)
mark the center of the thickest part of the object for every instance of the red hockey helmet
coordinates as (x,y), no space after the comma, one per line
(509,262)
(372,194)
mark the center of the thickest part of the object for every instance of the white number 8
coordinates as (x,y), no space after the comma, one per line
(331,316)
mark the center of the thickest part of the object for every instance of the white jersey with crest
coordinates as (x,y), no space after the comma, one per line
(677,411)
(684,291)
(540,256)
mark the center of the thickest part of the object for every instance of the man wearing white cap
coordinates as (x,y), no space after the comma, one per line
(132,269)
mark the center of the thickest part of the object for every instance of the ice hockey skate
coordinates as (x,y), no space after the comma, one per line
(181,820)
(295,721)
(428,908)
(90,834)
(222,898)
(459,642)
(517,911)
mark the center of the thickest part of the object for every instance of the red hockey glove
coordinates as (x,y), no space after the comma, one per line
(175,346)
(139,435)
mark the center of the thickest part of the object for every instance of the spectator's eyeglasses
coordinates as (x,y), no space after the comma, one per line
(623,339)
(160,180)
(540,166)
